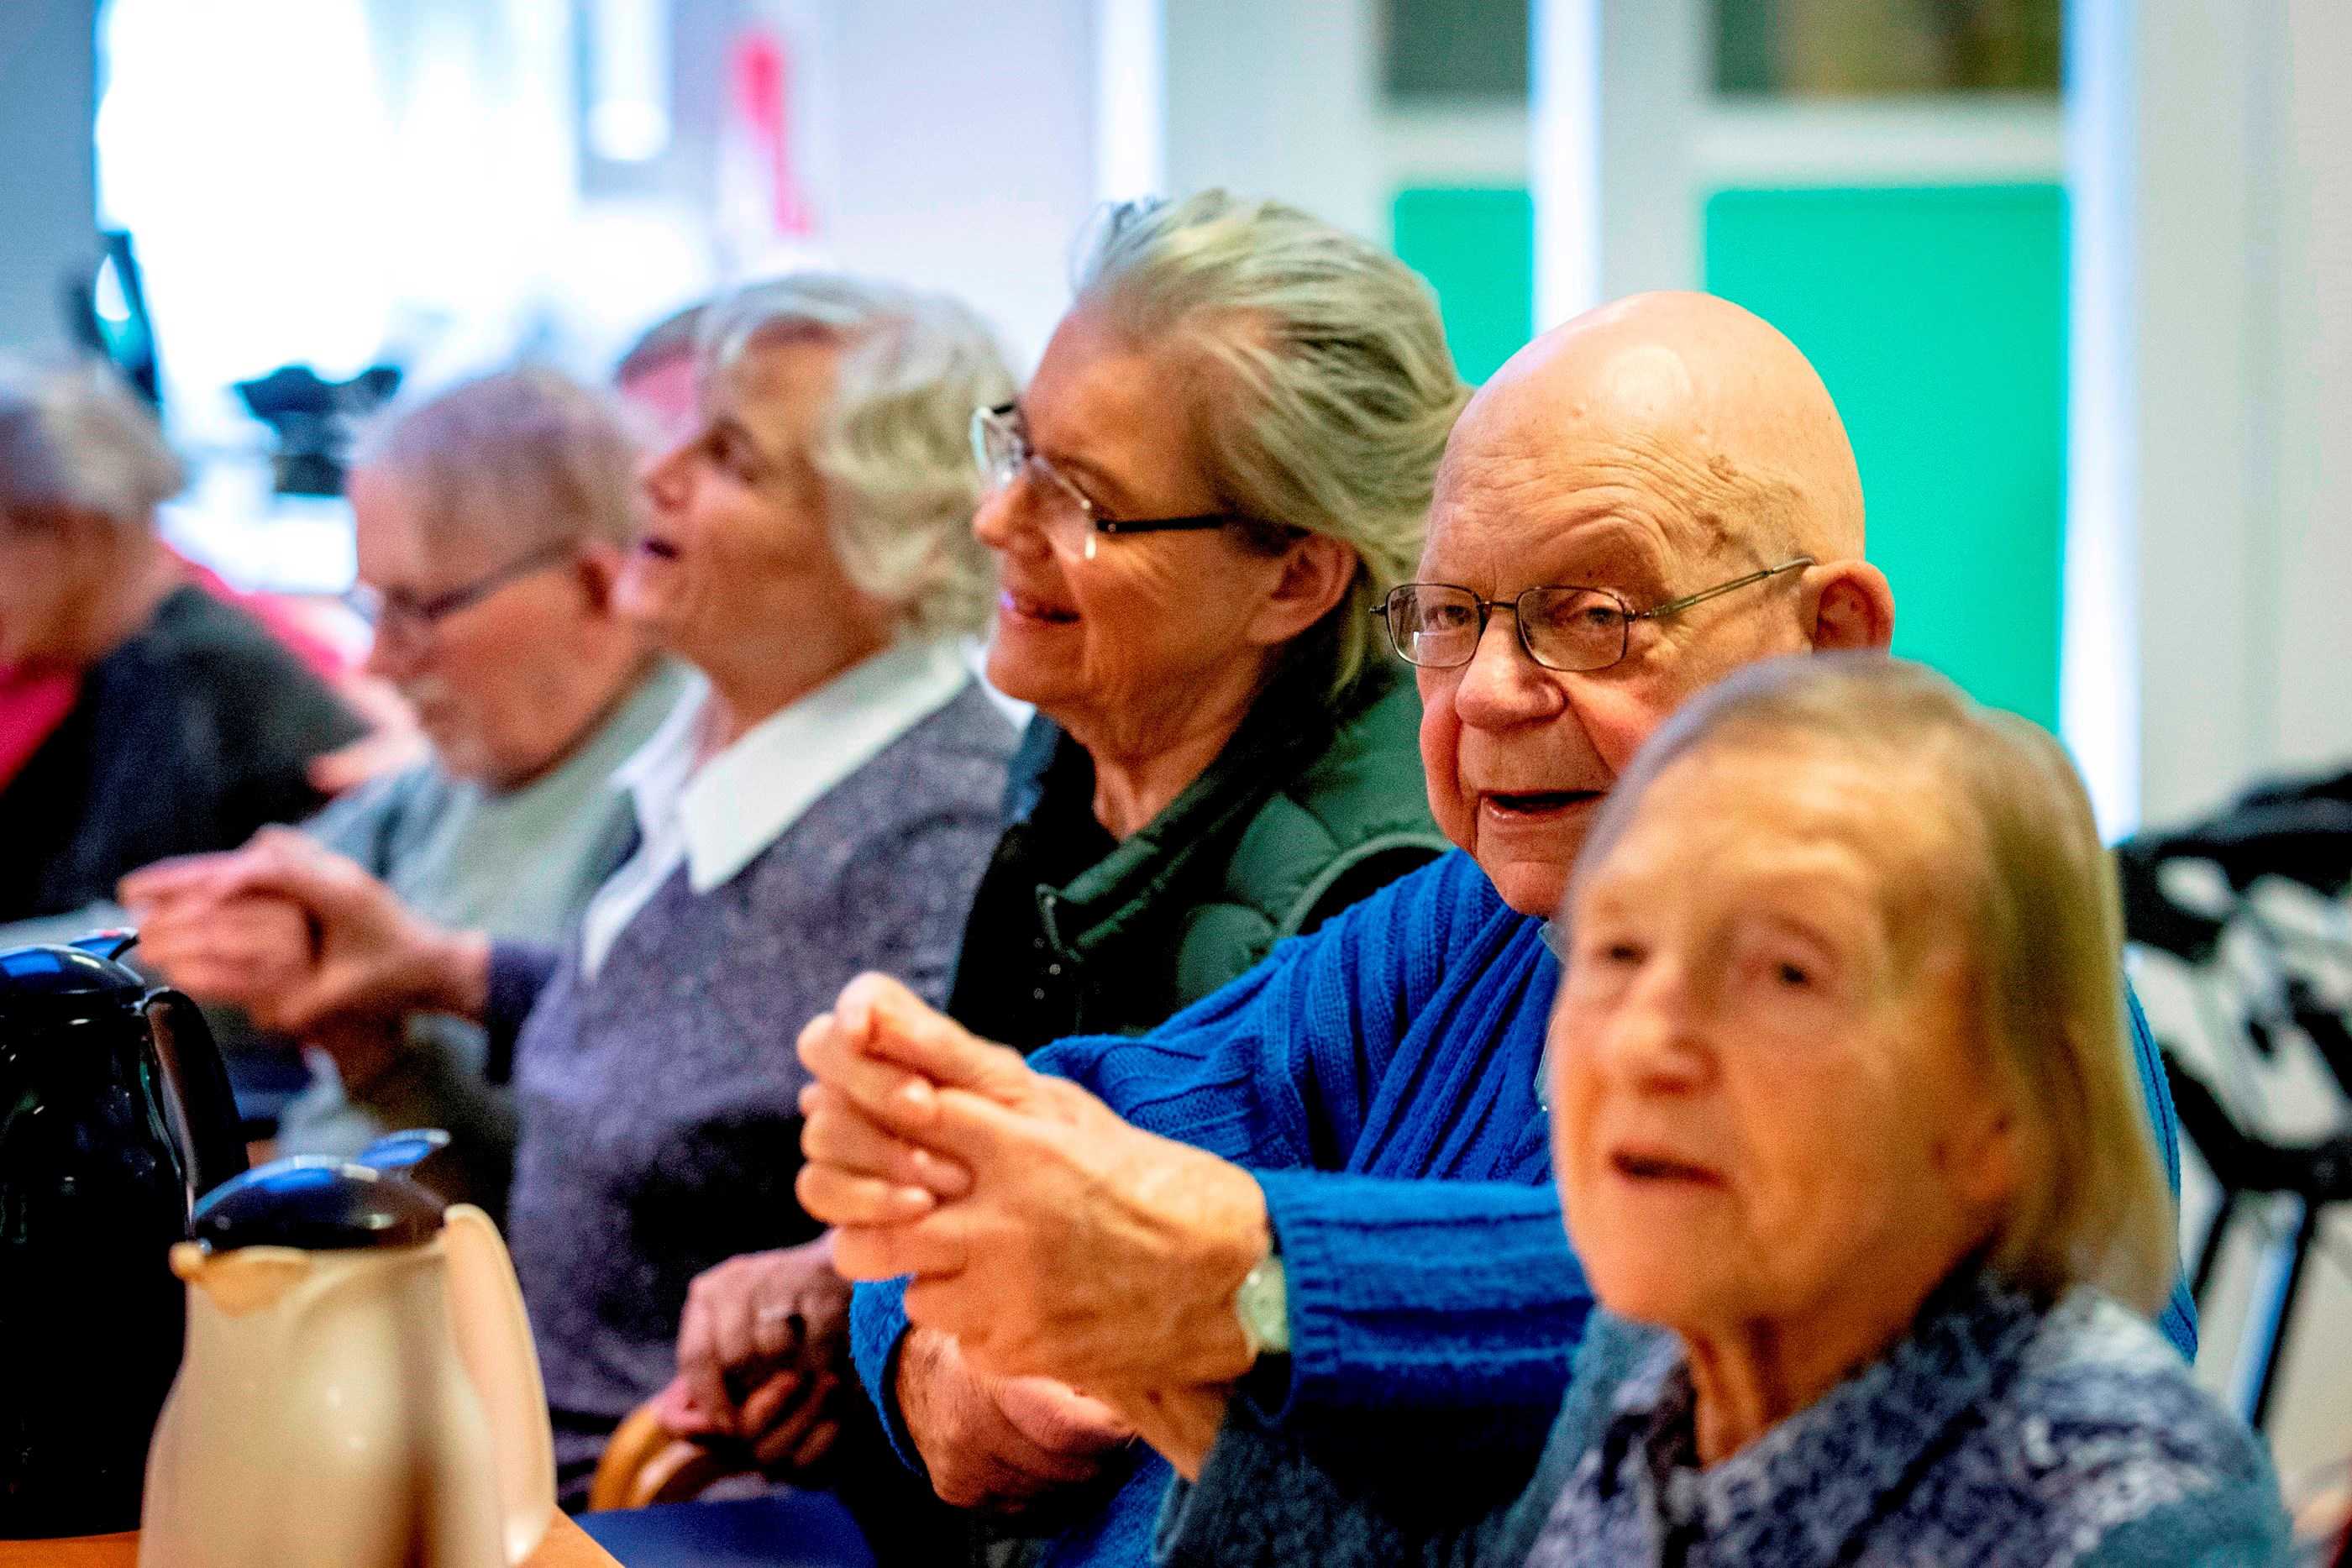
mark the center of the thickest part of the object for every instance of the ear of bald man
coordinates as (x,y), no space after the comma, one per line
(1849,607)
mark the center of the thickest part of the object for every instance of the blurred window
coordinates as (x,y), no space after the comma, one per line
(1452,50)
(1861,49)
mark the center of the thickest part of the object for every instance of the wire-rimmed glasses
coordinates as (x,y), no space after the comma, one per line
(1562,626)
(402,620)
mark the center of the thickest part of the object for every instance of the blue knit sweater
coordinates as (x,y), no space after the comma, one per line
(1379,1077)
(1996,1432)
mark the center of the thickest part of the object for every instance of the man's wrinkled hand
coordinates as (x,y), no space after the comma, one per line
(999,1443)
(1045,1234)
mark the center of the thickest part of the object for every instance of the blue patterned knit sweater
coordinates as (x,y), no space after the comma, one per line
(1995,1434)
(1379,1077)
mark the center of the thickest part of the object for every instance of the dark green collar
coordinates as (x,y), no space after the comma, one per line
(1290,723)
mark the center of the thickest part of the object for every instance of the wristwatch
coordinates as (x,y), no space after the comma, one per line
(1263,1305)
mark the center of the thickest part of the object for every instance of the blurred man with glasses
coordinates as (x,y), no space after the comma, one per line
(493,520)
(1318,1203)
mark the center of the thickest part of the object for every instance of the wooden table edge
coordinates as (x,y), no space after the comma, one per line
(566,1546)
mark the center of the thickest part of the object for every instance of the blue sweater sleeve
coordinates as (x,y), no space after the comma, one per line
(877,1321)
(1421,1301)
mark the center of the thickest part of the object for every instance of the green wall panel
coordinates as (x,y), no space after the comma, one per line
(1938,315)
(1477,245)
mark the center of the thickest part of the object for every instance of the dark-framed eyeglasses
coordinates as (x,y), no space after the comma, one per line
(1073,524)
(402,618)
(1562,626)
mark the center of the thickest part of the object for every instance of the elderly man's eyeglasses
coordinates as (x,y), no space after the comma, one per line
(401,618)
(1438,625)
(1071,523)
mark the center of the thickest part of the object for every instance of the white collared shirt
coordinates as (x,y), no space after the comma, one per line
(717,818)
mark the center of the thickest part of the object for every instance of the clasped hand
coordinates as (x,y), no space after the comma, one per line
(762,1352)
(1048,1235)
(302,938)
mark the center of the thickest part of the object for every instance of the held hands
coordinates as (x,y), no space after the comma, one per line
(775,1326)
(1048,1235)
(301,938)
(244,949)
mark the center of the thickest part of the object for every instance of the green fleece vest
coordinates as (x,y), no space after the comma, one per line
(1312,806)
(1351,823)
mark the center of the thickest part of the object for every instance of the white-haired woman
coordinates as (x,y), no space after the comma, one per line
(148,717)
(1848,1137)
(821,804)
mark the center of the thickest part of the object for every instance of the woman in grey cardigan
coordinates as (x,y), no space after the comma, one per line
(1847,1136)
(821,803)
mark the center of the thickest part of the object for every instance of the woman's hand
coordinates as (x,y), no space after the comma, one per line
(775,1327)
(372,957)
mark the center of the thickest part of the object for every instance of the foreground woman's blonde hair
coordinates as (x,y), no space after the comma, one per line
(2042,919)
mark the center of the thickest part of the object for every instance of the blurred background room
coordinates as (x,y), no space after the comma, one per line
(2078,272)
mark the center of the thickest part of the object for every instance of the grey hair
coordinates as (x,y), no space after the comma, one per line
(74,439)
(675,335)
(2039,910)
(894,445)
(1325,388)
(527,454)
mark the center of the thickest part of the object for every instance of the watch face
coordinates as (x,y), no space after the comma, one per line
(1263,1306)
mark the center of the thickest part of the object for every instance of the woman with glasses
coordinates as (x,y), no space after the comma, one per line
(820,802)
(140,716)
(493,521)
(1222,462)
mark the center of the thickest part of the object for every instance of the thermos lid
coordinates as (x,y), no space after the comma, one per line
(319,1203)
(86,974)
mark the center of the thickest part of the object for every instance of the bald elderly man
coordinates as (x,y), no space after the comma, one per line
(1326,1189)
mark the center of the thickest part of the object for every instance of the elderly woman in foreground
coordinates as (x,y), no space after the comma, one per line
(1848,1139)
(822,802)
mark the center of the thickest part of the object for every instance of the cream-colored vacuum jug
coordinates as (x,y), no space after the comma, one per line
(359,1388)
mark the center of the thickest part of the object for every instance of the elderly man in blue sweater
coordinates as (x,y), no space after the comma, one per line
(1326,1189)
